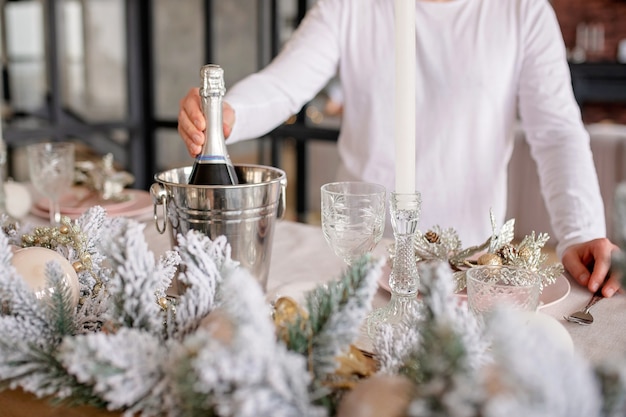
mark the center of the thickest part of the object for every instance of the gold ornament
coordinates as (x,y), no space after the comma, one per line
(379,395)
(78,266)
(286,309)
(353,365)
(489,259)
(162,301)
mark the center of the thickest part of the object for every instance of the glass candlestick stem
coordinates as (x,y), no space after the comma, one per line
(404,278)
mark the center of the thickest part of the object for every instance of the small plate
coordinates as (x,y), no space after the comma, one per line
(79,199)
(139,202)
(551,294)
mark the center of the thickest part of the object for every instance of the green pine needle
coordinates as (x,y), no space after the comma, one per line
(61,310)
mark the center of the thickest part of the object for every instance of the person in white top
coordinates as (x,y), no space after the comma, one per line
(482,67)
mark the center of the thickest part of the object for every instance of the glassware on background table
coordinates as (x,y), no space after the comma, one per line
(404,279)
(3,162)
(51,167)
(513,287)
(353,217)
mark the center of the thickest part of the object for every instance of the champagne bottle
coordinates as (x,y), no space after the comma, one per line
(212,166)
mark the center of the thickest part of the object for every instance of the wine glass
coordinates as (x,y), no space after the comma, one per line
(51,167)
(353,217)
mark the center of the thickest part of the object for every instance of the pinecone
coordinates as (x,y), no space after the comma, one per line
(489,259)
(432,237)
(507,252)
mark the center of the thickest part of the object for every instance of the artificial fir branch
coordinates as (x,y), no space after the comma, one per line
(137,278)
(450,348)
(335,312)
(61,311)
(122,368)
(205,263)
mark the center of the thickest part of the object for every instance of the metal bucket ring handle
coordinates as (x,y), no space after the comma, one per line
(159,198)
(282,199)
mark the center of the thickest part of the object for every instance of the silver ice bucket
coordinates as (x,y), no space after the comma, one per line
(244,213)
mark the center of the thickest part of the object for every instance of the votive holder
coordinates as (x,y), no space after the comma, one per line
(404,278)
(490,286)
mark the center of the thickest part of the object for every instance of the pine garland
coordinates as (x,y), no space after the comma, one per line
(214,350)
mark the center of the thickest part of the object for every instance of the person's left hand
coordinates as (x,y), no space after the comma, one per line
(589,263)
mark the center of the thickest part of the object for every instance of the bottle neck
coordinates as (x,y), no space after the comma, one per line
(214,149)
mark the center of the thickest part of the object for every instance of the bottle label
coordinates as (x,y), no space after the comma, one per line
(210,159)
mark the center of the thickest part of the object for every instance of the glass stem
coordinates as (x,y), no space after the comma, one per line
(55,212)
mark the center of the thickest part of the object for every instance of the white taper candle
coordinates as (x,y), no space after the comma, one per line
(405,95)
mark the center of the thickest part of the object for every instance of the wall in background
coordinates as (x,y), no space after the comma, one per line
(611,14)
(604,23)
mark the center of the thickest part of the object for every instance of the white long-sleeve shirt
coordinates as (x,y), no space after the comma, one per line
(480,64)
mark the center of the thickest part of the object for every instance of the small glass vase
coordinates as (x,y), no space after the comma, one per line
(404,278)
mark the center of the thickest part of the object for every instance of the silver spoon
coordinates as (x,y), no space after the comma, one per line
(583,316)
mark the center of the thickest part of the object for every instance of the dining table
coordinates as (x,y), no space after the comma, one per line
(301,259)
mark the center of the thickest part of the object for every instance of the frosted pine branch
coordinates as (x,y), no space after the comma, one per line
(121,368)
(337,311)
(137,279)
(205,262)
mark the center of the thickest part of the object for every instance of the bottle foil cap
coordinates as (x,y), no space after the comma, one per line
(212,77)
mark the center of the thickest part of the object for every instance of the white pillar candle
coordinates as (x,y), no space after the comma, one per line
(30,263)
(405,95)
(18,199)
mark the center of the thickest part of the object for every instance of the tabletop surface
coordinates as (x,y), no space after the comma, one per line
(301,259)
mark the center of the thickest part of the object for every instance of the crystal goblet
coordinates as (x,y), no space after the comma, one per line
(353,217)
(51,167)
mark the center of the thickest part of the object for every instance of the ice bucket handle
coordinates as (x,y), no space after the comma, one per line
(282,199)
(159,198)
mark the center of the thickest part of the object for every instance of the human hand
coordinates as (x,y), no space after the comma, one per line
(589,263)
(192,124)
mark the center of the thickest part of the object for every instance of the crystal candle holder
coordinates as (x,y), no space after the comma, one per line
(404,278)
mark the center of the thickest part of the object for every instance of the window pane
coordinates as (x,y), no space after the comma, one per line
(236,38)
(178,32)
(95,68)
(25,55)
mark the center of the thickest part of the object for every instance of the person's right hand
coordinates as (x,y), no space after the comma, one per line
(191,122)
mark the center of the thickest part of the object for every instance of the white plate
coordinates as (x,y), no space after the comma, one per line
(551,294)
